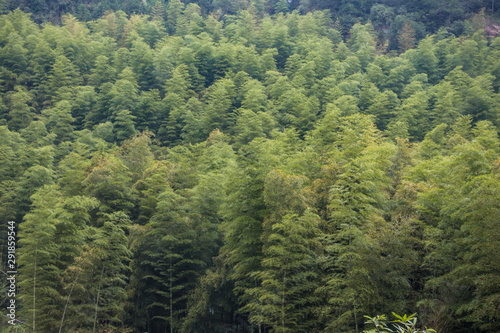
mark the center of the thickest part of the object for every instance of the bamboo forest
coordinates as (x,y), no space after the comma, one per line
(250,166)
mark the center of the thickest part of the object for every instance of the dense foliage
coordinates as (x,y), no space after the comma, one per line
(389,17)
(186,173)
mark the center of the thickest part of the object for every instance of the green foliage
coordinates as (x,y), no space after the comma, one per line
(284,300)
(50,236)
(405,323)
(173,264)
(40,274)
(59,121)
(20,112)
(251,165)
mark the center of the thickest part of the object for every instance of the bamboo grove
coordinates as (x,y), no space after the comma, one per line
(183,172)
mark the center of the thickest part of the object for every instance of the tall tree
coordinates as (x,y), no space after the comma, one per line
(96,280)
(285,297)
(406,38)
(59,121)
(47,251)
(20,111)
(64,75)
(171,262)
(174,14)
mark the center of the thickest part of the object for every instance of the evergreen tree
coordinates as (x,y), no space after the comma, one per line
(180,83)
(249,126)
(212,305)
(32,179)
(142,62)
(72,170)
(425,60)
(220,99)
(84,103)
(384,108)
(171,262)
(47,251)
(281,6)
(13,55)
(123,125)
(446,104)
(59,121)
(64,74)
(355,207)
(39,272)
(20,112)
(415,112)
(109,181)
(158,12)
(174,13)
(406,38)
(97,278)
(124,93)
(148,111)
(102,71)
(284,299)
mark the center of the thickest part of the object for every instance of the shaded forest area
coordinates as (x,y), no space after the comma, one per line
(387,16)
(240,172)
